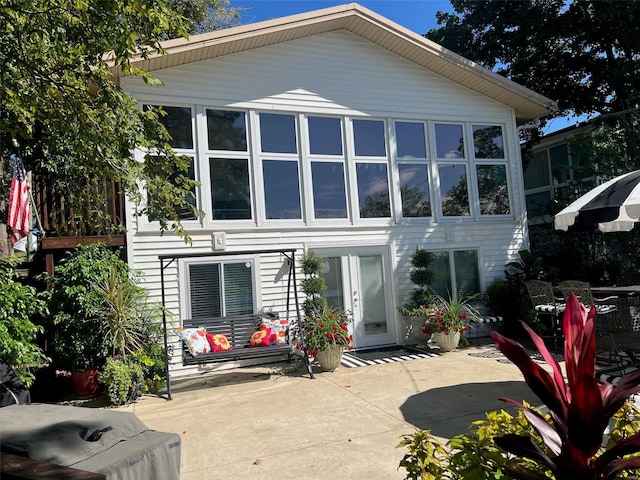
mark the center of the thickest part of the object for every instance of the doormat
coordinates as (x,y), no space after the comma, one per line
(378,356)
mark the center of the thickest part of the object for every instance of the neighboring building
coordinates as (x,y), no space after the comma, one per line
(551,168)
(340,131)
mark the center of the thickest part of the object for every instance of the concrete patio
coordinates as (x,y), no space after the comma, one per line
(273,422)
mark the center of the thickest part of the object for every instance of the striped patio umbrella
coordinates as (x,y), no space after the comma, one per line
(613,206)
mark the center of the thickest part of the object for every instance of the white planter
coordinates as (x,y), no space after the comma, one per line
(413,331)
(447,342)
(330,358)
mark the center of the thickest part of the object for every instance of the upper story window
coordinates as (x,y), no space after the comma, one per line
(449,140)
(226,130)
(280,166)
(325,135)
(371,168)
(452,170)
(229,172)
(278,133)
(179,124)
(491,169)
(329,194)
(413,169)
(369,138)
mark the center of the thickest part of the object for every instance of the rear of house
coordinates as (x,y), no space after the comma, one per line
(342,132)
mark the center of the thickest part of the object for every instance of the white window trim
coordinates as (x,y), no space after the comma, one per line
(183,278)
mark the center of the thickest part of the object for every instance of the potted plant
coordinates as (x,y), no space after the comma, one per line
(327,336)
(448,318)
(421,296)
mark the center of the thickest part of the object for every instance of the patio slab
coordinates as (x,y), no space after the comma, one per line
(255,423)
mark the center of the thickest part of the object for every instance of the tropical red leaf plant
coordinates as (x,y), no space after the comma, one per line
(580,408)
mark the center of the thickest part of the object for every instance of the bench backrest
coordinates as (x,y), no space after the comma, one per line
(238,329)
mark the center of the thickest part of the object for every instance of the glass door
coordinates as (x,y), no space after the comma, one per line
(358,281)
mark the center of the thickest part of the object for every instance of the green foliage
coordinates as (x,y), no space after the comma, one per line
(421,276)
(81,341)
(129,317)
(426,458)
(124,380)
(475,455)
(57,57)
(555,47)
(329,327)
(19,304)
(313,285)
(152,358)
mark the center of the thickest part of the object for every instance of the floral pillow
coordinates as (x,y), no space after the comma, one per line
(195,339)
(279,329)
(261,338)
(218,342)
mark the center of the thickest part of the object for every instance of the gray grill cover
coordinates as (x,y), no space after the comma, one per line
(71,436)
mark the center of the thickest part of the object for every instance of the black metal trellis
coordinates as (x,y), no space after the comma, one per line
(289,254)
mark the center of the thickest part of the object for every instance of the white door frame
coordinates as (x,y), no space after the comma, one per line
(352,298)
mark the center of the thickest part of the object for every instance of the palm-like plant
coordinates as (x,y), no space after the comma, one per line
(580,409)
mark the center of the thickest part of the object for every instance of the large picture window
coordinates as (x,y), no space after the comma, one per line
(220,289)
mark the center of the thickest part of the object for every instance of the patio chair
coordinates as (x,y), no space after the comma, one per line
(607,318)
(547,307)
(625,333)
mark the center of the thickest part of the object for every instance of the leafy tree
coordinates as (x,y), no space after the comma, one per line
(19,305)
(584,54)
(69,120)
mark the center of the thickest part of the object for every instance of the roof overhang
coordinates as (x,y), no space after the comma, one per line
(359,21)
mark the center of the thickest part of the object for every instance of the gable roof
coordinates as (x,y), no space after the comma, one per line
(360,21)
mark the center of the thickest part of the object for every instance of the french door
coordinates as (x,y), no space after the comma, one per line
(358,281)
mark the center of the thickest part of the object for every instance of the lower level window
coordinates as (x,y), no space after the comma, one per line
(220,289)
(455,273)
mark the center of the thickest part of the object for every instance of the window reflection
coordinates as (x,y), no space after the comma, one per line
(226,130)
(449,140)
(278,133)
(487,141)
(329,196)
(373,190)
(369,138)
(454,193)
(492,189)
(230,189)
(414,190)
(325,136)
(281,189)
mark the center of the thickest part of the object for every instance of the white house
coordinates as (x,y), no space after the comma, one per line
(341,131)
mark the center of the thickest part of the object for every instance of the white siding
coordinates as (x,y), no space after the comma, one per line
(333,73)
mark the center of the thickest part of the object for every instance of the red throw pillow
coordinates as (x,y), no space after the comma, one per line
(218,342)
(261,338)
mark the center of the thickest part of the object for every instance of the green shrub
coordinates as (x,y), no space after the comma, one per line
(19,304)
(124,380)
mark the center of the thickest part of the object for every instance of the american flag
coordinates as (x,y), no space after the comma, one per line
(19,205)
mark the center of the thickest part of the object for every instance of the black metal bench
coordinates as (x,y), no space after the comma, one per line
(238,330)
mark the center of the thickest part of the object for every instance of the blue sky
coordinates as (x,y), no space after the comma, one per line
(416,15)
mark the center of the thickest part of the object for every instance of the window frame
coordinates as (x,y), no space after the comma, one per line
(307,171)
(423,161)
(184,279)
(145,222)
(488,162)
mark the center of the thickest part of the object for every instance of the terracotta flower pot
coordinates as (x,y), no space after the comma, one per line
(85,383)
